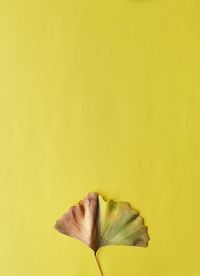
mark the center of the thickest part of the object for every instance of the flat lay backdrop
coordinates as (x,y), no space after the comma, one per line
(99,96)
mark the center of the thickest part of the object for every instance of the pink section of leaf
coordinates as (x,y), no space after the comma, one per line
(79,221)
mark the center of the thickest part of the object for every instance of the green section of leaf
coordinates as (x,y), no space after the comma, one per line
(120,224)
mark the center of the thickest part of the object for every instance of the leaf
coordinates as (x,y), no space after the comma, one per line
(99,223)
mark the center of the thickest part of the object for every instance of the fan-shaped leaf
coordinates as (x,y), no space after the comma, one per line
(99,223)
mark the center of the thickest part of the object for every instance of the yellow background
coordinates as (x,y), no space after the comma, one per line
(99,96)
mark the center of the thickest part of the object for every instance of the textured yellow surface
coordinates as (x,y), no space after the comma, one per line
(99,96)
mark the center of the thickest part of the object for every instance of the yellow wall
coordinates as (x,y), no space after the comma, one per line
(99,96)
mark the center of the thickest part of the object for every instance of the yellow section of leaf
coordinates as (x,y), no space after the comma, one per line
(120,224)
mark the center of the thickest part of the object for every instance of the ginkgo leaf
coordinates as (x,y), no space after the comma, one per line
(99,223)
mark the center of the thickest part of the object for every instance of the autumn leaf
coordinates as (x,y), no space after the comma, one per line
(100,223)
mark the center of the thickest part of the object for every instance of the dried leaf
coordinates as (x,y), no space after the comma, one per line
(99,223)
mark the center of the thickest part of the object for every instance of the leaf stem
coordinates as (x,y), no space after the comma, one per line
(98,264)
